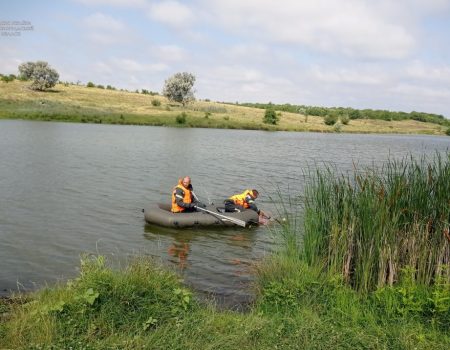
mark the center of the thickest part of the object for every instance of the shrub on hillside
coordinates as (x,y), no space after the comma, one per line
(156,103)
(43,76)
(448,132)
(330,119)
(90,84)
(270,117)
(99,86)
(181,118)
(179,88)
(345,119)
(337,127)
(7,78)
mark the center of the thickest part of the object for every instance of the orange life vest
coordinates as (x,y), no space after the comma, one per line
(239,199)
(187,197)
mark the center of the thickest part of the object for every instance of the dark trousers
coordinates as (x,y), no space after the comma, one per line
(231,207)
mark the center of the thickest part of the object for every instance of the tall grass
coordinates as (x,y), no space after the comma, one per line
(370,226)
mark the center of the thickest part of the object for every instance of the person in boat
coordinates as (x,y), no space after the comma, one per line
(183,197)
(242,201)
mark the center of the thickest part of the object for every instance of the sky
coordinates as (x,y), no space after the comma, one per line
(385,54)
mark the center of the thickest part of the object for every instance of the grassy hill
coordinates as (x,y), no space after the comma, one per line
(76,103)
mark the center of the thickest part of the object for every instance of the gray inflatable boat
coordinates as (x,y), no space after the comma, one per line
(160,214)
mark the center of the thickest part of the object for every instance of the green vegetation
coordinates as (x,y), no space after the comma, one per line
(366,268)
(179,88)
(330,119)
(156,103)
(345,119)
(77,103)
(448,132)
(181,118)
(270,117)
(383,221)
(353,113)
(43,76)
(7,78)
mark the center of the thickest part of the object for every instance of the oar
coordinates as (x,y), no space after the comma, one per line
(223,217)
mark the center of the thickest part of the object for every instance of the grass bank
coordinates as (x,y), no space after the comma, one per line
(359,272)
(73,103)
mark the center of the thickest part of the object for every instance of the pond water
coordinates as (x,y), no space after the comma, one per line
(68,189)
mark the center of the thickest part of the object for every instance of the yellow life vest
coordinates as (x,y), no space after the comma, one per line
(239,199)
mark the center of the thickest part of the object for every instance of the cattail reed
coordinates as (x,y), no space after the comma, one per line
(371,225)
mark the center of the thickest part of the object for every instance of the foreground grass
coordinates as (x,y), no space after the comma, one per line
(74,103)
(147,307)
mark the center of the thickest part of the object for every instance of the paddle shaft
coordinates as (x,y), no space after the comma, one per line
(223,217)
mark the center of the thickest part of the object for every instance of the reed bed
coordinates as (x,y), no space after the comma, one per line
(370,226)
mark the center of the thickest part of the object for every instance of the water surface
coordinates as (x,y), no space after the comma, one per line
(67,189)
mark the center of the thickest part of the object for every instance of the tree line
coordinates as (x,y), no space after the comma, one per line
(351,113)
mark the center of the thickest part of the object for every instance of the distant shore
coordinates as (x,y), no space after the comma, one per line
(80,104)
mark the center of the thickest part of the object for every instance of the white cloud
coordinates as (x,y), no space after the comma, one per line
(105,30)
(427,93)
(346,75)
(119,3)
(101,21)
(349,27)
(171,53)
(172,13)
(244,51)
(427,72)
(130,65)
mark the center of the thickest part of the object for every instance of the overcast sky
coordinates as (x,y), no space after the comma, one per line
(385,54)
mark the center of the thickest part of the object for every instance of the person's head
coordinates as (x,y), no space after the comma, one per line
(255,193)
(186,181)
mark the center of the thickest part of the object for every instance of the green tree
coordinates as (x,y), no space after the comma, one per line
(179,88)
(330,119)
(345,119)
(270,117)
(42,74)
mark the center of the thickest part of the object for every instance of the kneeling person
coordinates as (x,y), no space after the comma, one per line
(244,200)
(183,199)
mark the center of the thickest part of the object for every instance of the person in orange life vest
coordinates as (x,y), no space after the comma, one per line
(241,201)
(183,198)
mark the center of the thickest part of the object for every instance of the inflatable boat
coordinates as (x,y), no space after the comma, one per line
(160,214)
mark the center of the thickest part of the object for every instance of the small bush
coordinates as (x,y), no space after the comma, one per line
(345,119)
(90,84)
(207,115)
(270,117)
(99,86)
(8,78)
(181,118)
(156,103)
(337,127)
(109,87)
(330,119)
(448,132)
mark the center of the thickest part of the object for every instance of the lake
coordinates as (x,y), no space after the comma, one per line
(69,189)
